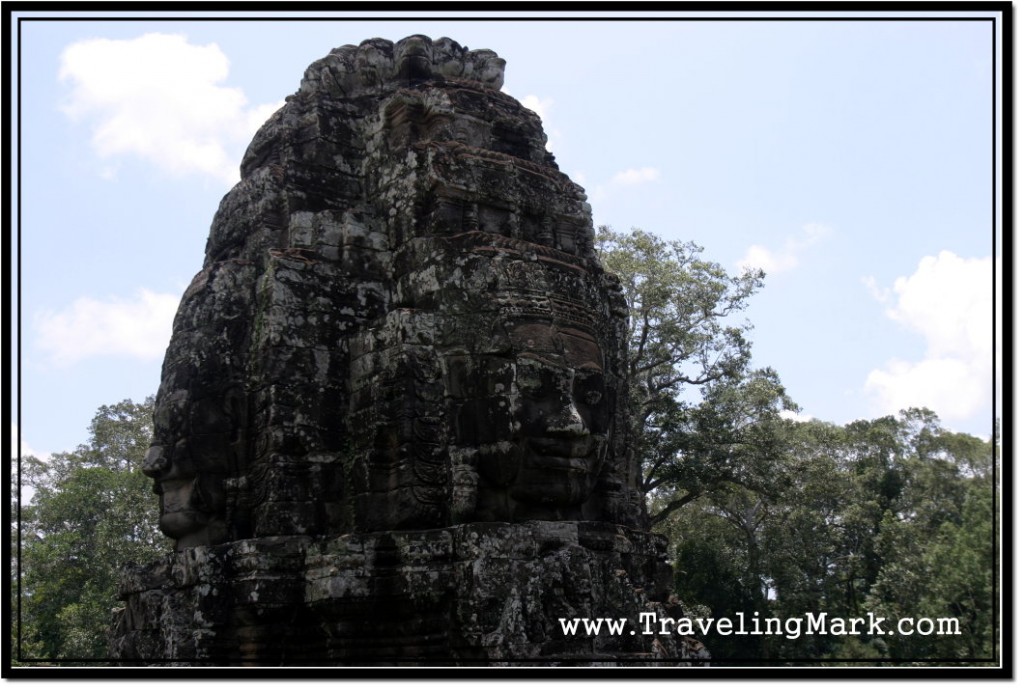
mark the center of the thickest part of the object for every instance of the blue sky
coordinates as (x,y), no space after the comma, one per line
(851,160)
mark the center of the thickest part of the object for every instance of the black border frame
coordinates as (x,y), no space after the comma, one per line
(1002,215)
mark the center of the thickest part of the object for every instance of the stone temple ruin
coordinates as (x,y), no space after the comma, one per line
(389,428)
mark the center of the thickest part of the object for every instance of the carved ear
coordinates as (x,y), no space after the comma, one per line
(208,494)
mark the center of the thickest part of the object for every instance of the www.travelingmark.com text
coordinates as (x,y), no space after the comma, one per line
(820,624)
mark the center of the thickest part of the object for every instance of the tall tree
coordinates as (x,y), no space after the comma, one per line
(87,517)
(699,416)
(935,547)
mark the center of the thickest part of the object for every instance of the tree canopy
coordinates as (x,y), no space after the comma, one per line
(700,416)
(91,512)
(892,516)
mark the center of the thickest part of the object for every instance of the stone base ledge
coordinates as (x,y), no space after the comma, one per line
(470,594)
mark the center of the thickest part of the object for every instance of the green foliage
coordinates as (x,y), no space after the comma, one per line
(936,548)
(88,516)
(717,567)
(892,516)
(700,418)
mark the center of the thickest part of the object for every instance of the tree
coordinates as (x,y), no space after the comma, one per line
(935,547)
(892,516)
(87,517)
(713,571)
(700,418)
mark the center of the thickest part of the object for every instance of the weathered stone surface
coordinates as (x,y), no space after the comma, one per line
(474,593)
(389,421)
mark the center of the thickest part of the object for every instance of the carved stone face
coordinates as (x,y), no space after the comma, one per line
(541,422)
(372,64)
(449,56)
(306,391)
(490,69)
(189,472)
(188,501)
(413,57)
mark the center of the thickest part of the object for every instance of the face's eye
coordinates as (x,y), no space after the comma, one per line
(529,379)
(589,388)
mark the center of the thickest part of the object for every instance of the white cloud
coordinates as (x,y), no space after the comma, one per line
(159,97)
(538,105)
(624,178)
(777,261)
(27,491)
(26,450)
(635,176)
(948,301)
(880,294)
(760,257)
(949,386)
(542,107)
(796,417)
(138,328)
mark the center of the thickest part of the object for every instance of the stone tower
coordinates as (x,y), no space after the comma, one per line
(390,422)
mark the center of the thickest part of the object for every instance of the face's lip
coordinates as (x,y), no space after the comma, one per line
(181,522)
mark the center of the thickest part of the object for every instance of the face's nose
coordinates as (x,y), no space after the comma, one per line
(566,420)
(156,462)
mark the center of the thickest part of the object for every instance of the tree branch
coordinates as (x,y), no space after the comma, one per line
(674,505)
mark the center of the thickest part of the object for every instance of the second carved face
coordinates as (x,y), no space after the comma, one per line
(535,424)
